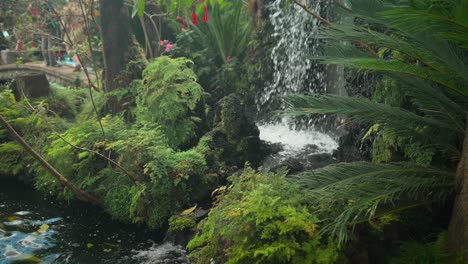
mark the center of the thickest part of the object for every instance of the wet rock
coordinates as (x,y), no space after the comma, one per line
(28,242)
(293,165)
(184,232)
(351,148)
(242,135)
(31,85)
(11,253)
(319,160)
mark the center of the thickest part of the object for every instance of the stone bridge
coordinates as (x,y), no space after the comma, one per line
(63,76)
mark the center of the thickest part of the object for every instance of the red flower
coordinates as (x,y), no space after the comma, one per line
(20,45)
(35,13)
(33,44)
(194,18)
(184,26)
(205,14)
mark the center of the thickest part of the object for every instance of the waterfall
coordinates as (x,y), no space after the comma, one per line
(294,72)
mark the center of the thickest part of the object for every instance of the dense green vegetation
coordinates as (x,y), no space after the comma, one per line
(181,135)
(261,219)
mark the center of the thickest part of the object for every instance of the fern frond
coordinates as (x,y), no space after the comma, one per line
(352,193)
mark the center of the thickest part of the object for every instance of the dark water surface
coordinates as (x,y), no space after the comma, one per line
(36,229)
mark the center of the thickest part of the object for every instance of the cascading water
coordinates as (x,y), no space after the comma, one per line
(293,69)
(294,72)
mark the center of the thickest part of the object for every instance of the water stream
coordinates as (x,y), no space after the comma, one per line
(294,72)
(34,229)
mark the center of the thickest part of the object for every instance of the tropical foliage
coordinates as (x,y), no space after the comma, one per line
(180,127)
(218,48)
(423,68)
(260,220)
(132,167)
(169,97)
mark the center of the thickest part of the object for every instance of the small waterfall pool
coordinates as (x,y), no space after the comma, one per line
(34,229)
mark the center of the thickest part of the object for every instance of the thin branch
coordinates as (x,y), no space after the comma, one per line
(57,14)
(80,194)
(310,12)
(328,23)
(129,175)
(343,6)
(88,36)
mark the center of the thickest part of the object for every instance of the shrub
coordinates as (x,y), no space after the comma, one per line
(260,220)
(169,97)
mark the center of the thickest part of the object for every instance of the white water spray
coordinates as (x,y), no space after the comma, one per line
(294,72)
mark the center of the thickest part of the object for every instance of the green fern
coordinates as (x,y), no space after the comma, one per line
(260,220)
(169,98)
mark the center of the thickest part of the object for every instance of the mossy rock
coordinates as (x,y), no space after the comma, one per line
(178,223)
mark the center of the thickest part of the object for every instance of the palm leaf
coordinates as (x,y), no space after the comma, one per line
(448,22)
(395,66)
(362,110)
(351,193)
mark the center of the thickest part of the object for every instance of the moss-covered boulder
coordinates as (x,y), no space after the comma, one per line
(242,135)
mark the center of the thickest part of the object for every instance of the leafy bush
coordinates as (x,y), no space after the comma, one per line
(413,252)
(218,48)
(153,180)
(32,120)
(10,151)
(169,97)
(260,220)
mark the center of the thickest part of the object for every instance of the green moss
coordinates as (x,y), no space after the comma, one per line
(178,223)
(118,202)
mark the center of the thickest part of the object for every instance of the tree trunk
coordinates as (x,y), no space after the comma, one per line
(119,48)
(80,194)
(458,228)
(117,41)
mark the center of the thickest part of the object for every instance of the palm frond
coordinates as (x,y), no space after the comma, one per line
(227,33)
(395,66)
(362,110)
(448,22)
(431,101)
(351,193)
(440,56)
(431,35)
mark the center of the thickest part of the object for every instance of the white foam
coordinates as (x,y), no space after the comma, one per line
(294,140)
(165,253)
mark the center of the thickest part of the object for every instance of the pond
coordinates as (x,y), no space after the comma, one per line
(37,229)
